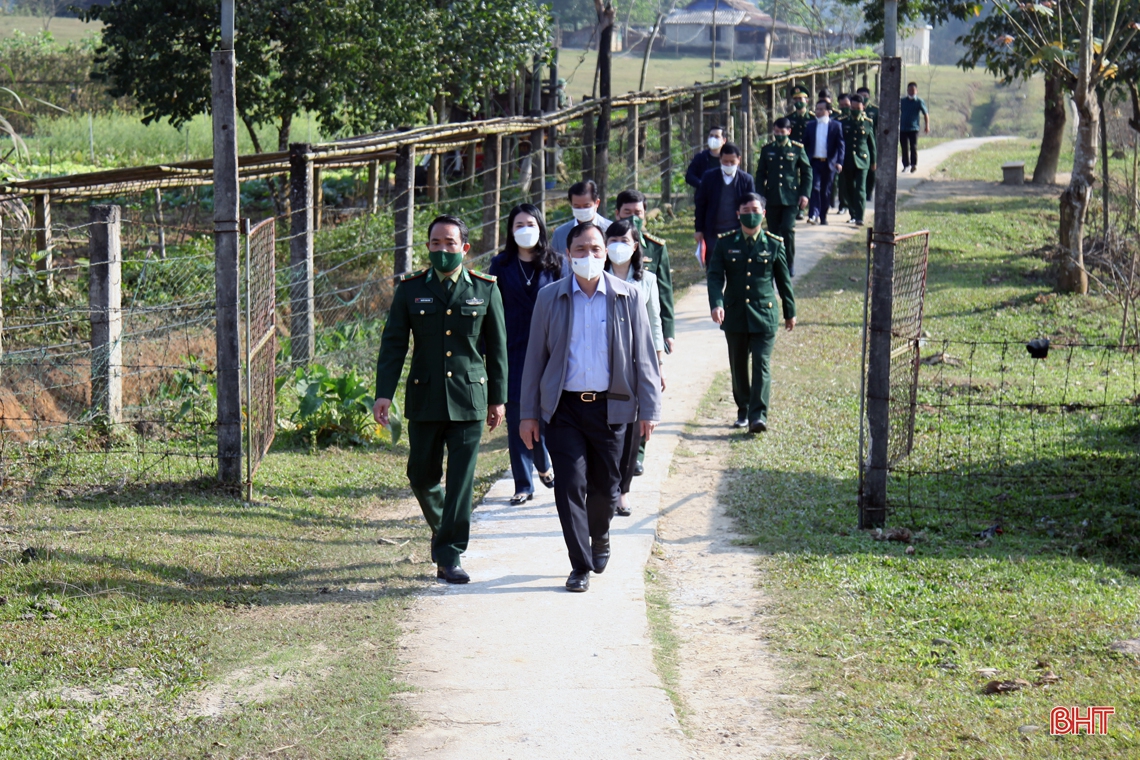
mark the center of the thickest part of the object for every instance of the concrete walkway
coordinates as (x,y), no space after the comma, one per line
(512,666)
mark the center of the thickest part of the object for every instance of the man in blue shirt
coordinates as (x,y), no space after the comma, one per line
(909,110)
(584,202)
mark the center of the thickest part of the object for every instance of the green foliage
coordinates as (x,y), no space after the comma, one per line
(194,389)
(42,311)
(334,409)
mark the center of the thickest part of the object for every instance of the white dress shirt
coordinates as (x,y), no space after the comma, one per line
(588,362)
(821,137)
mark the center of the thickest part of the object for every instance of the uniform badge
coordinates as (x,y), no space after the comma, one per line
(425,300)
(791,155)
(474,301)
(734,250)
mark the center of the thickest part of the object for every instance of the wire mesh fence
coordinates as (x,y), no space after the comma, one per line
(1005,431)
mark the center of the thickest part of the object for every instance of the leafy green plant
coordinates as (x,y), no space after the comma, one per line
(337,409)
(189,387)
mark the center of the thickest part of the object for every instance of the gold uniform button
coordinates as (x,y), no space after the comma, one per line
(417,382)
(748,273)
(447,332)
(449,374)
(449,312)
(747,301)
(449,353)
(748,287)
(769,304)
(421,312)
(482,380)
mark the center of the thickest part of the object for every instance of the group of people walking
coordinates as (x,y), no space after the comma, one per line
(565,337)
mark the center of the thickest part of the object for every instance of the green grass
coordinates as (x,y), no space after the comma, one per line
(174,587)
(886,646)
(666,642)
(973,103)
(63,29)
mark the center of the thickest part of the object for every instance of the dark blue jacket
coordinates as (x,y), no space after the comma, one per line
(835,147)
(518,305)
(700,164)
(708,197)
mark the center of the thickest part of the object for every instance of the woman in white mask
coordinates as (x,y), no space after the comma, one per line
(623,260)
(526,264)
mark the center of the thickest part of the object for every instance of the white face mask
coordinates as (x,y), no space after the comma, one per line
(526,237)
(584,215)
(728,171)
(619,252)
(588,267)
(714,143)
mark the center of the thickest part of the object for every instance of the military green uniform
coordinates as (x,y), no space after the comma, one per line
(450,385)
(800,121)
(744,275)
(655,259)
(783,176)
(859,139)
(872,113)
(838,191)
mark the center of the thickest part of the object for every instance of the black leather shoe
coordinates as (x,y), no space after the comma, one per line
(638,469)
(622,511)
(742,422)
(452,574)
(600,548)
(578,582)
(759,426)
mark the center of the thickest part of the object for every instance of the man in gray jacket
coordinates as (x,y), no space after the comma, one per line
(590,371)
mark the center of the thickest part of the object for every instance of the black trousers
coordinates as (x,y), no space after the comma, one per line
(909,142)
(632,450)
(586,453)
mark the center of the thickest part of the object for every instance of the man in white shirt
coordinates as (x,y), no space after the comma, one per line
(824,146)
(584,202)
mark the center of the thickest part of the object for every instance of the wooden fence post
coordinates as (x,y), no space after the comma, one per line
(105,256)
(161,224)
(44,245)
(633,131)
(699,130)
(469,167)
(318,198)
(746,121)
(373,186)
(302,338)
(725,113)
(492,176)
(588,139)
(538,169)
(405,208)
(666,127)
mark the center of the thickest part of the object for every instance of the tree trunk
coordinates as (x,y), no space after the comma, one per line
(1072,277)
(1053,135)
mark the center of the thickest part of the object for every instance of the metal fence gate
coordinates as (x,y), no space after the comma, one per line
(260,343)
(908,292)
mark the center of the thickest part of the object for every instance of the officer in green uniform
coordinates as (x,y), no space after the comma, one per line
(447,310)
(859,142)
(838,191)
(630,204)
(783,179)
(872,112)
(745,271)
(800,117)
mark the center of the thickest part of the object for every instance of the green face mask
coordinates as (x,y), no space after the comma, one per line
(446,261)
(799,104)
(751,219)
(637,223)
(781,139)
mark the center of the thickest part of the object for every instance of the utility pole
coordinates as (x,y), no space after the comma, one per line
(606,17)
(873,498)
(226,239)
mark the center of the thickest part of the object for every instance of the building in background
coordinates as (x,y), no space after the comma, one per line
(914,45)
(743,32)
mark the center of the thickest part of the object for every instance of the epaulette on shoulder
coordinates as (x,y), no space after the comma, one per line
(483,276)
(777,238)
(654,238)
(414,275)
(797,144)
(726,234)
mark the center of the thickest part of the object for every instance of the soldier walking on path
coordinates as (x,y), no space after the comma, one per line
(872,112)
(783,179)
(859,140)
(746,269)
(800,118)
(654,258)
(451,387)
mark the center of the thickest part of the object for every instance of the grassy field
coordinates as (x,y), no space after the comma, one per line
(892,649)
(63,29)
(161,620)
